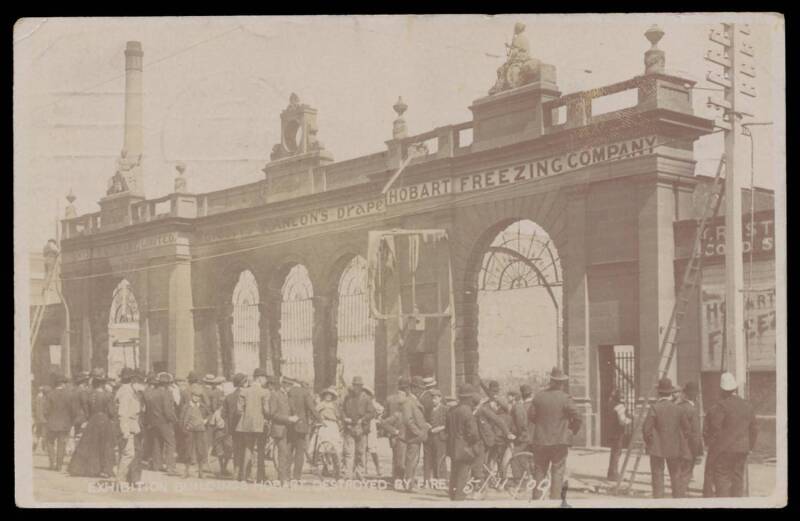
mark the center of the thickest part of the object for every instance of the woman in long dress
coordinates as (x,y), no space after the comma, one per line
(95,454)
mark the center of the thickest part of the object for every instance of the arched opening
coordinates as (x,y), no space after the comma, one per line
(355,347)
(297,319)
(123,330)
(246,318)
(519,306)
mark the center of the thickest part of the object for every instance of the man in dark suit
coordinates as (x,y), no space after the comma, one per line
(437,438)
(301,405)
(59,414)
(521,428)
(556,420)
(688,402)
(357,411)
(161,418)
(731,434)
(231,415)
(666,431)
(281,420)
(493,433)
(392,420)
(462,437)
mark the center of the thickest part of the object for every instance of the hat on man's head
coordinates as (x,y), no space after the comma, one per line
(126,374)
(239,379)
(525,390)
(665,386)
(164,378)
(258,371)
(209,379)
(727,382)
(357,380)
(192,377)
(139,375)
(417,382)
(436,392)
(81,377)
(429,382)
(557,375)
(466,391)
(494,386)
(98,374)
(691,388)
(403,383)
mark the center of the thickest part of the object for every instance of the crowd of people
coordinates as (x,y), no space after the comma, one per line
(676,437)
(157,422)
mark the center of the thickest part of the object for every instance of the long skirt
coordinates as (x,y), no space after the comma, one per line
(95,453)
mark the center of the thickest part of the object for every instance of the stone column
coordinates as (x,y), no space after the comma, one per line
(207,346)
(86,343)
(656,276)
(180,350)
(99,336)
(271,330)
(144,341)
(576,306)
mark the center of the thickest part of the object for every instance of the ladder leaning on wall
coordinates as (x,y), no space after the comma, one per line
(39,310)
(669,341)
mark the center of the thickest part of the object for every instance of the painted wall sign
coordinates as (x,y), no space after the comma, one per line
(760,237)
(759,328)
(522,172)
(123,248)
(302,220)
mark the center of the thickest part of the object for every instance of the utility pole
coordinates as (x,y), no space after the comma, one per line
(736,81)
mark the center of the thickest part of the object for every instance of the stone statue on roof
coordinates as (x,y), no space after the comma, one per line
(520,68)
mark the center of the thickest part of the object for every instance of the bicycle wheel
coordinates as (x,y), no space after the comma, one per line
(519,471)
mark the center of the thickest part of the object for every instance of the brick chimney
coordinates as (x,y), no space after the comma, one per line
(133,99)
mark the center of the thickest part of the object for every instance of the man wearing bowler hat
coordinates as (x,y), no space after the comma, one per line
(731,433)
(556,420)
(357,411)
(666,431)
(462,438)
(160,419)
(254,408)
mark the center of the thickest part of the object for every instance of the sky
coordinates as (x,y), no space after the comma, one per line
(214,89)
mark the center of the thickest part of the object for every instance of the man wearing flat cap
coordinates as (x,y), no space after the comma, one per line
(357,411)
(730,434)
(462,438)
(667,430)
(555,419)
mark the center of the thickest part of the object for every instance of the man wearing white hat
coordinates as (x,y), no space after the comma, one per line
(730,434)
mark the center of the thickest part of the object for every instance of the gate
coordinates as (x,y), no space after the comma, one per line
(617,371)
(297,323)
(355,349)
(246,330)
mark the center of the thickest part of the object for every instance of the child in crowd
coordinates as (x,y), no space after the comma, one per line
(331,417)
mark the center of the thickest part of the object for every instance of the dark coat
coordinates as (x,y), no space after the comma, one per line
(59,410)
(80,404)
(731,426)
(358,408)
(301,404)
(667,430)
(230,410)
(520,424)
(491,427)
(438,418)
(555,418)
(278,413)
(159,407)
(462,433)
(426,399)
(695,439)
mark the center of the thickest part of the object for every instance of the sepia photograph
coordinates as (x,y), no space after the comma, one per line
(444,261)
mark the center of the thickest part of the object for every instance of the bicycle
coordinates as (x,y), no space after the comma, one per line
(323,457)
